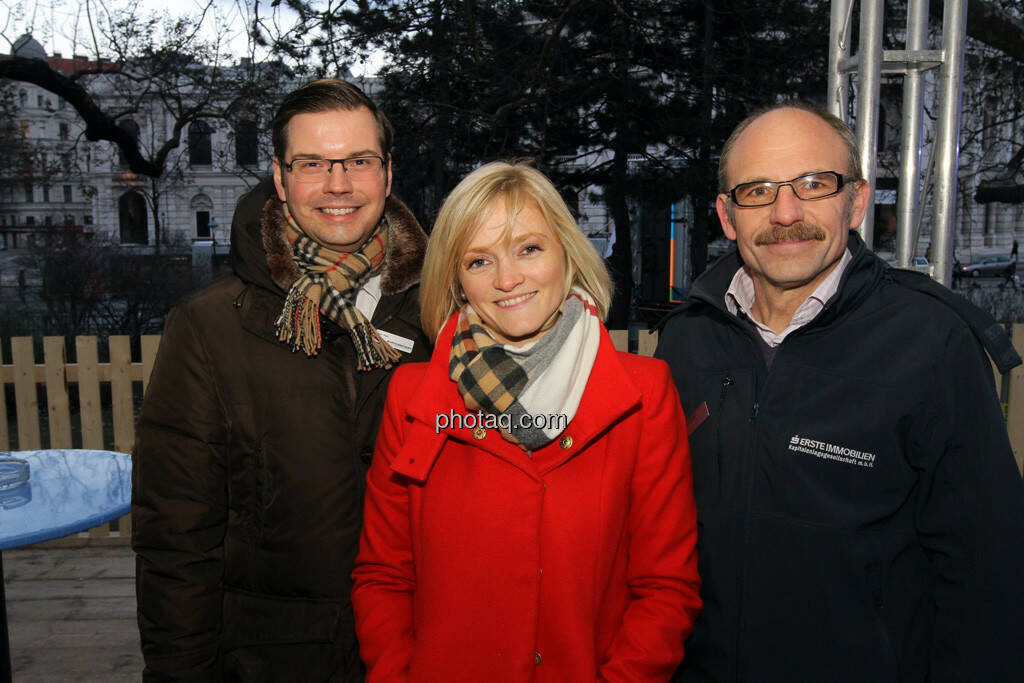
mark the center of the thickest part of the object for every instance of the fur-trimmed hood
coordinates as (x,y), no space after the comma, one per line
(261,255)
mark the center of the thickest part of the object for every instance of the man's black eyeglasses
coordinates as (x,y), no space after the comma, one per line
(317,169)
(811,186)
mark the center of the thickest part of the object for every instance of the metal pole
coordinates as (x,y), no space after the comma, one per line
(947,136)
(910,146)
(838,49)
(869,54)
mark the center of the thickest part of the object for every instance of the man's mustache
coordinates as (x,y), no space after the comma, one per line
(789,233)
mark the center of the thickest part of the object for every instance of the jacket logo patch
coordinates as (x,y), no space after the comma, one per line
(830,451)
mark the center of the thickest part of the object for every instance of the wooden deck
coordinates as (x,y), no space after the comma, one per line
(71,614)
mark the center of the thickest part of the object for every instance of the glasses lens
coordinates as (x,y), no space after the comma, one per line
(816,185)
(310,168)
(755,194)
(363,165)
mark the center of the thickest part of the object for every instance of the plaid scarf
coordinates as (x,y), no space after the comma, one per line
(543,377)
(328,284)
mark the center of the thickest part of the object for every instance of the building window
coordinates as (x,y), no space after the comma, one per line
(39,101)
(48,220)
(132,218)
(26,130)
(67,194)
(202,224)
(247,144)
(29,197)
(46,193)
(23,97)
(69,219)
(87,219)
(62,103)
(30,220)
(200,146)
(63,134)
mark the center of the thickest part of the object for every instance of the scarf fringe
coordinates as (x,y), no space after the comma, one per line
(299,325)
(371,350)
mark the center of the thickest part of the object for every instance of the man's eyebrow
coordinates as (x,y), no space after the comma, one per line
(763,179)
(360,153)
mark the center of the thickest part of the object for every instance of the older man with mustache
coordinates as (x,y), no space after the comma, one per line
(860,514)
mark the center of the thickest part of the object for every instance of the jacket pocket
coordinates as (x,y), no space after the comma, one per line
(711,437)
(253,619)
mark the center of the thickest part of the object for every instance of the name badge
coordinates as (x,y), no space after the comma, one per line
(400,343)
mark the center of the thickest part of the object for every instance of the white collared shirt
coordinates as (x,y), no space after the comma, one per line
(739,298)
(368,296)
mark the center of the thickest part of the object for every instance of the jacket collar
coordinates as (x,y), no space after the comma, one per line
(437,394)
(402,262)
(860,279)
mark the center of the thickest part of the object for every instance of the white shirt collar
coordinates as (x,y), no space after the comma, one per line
(368,296)
(739,298)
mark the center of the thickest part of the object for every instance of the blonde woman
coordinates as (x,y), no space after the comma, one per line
(529,511)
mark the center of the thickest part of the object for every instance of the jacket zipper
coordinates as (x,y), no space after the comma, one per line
(727,382)
(747,513)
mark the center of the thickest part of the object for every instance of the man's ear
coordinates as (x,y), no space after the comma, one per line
(860,203)
(724,217)
(279,181)
(387,192)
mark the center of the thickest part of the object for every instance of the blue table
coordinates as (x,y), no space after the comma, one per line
(67,491)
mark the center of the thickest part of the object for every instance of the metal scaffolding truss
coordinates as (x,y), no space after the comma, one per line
(867,65)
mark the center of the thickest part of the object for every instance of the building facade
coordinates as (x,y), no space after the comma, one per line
(63,183)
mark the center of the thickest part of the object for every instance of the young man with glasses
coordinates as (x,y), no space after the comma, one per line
(260,417)
(860,513)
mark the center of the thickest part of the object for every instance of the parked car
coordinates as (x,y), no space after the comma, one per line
(991,266)
(916,262)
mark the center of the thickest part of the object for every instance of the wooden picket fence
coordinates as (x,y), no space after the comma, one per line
(110,424)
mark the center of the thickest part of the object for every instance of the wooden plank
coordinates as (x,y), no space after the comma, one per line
(90,409)
(57,405)
(619,339)
(647,341)
(82,563)
(1015,407)
(83,541)
(25,398)
(5,434)
(124,526)
(39,373)
(121,393)
(84,587)
(101,531)
(150,345)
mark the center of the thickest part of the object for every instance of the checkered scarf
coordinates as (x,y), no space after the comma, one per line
(328,284)
(543,377)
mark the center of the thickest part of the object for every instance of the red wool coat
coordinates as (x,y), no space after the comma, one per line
(480,563)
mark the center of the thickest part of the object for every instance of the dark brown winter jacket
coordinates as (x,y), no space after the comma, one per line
(249,469)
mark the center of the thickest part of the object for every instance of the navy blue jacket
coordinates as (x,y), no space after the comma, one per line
(860,513)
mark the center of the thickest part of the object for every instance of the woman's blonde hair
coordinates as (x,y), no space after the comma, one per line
(463,211)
